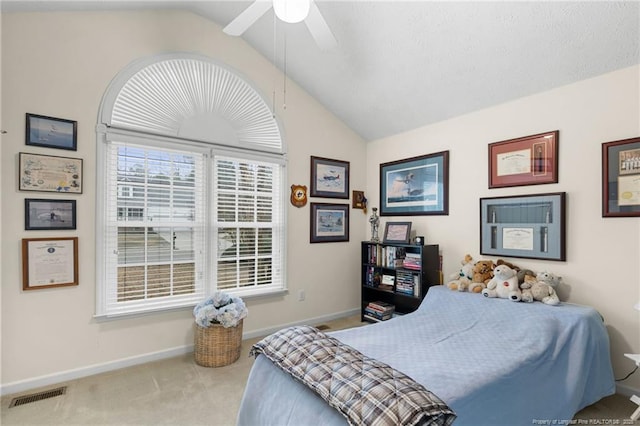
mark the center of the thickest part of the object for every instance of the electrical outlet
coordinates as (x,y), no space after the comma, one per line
(301,295)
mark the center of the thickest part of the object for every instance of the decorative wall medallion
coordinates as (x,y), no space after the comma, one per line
(299,195)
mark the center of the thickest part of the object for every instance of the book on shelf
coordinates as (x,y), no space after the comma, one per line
(372,318)
(377,315)
(379,311)
(408,283)
(412,261)
(381,306)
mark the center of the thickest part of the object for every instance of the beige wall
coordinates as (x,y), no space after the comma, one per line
(60,64)
(603,254)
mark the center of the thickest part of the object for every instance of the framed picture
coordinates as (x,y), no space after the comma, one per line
(49,262)
(49,214)
(415,186)
(358,200)
(329,223)
(527,226)
(397,232)
(329,178)
(621,178)
(45,173)
(530,160)
(51,132)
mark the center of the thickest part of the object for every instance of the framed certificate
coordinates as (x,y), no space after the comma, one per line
(530,160)
(621,178)
(528,226)
(49,262)
(48,173)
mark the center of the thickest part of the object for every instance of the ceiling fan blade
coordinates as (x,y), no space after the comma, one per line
(319,29)
(248,17)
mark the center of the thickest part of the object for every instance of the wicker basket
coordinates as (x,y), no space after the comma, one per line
(216,346)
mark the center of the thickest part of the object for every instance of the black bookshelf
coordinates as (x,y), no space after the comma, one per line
(399,274)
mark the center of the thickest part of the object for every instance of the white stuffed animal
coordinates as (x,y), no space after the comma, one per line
(542,288)
(504,284)
(460,281)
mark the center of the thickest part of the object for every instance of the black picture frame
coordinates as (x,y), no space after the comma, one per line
(415,186)
(397,232)
(329,223)
(621,178)
(525,226)
(51,132)
(329,178)
(49,214)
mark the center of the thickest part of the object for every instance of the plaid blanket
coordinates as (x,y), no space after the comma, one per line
(365,391)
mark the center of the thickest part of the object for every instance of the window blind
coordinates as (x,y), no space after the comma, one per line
(155,233)
(248,224)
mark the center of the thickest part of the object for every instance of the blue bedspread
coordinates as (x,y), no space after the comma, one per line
(493,361)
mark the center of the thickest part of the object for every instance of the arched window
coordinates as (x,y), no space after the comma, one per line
(190,187)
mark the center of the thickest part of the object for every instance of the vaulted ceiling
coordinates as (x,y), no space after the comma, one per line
(400,65)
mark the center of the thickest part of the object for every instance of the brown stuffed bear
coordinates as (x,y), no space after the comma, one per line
(509,264)
(482,274)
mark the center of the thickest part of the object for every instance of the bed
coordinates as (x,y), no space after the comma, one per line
(492,361)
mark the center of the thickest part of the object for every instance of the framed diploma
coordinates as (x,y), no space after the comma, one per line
(530,160)
(621,178)
(49,262)
(528,226)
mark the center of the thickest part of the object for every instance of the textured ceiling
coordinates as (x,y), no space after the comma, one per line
(402,65)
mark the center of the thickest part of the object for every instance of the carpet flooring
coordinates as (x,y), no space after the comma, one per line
(177,391)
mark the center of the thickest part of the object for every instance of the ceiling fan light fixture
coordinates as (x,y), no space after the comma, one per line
(291,11)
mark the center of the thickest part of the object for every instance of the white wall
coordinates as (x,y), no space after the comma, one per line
(603,254)
(60,64)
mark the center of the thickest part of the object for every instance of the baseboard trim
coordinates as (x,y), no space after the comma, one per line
(78,373)
(310,321)
(626,390)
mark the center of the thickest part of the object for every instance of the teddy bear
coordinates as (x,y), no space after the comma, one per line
(550,278)
(534,289)
(523,273)
(504,284)
(509,264)
(541,288)
(482,274)
(460,281)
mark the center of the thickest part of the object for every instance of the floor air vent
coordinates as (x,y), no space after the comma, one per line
(26,399)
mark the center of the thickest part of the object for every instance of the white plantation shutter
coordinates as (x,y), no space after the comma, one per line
(248,222)
(155,228)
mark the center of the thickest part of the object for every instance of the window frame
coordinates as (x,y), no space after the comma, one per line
(211,152)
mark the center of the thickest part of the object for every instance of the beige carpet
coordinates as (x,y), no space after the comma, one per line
(176,391)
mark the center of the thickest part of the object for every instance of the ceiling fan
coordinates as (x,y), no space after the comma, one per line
(290,11)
